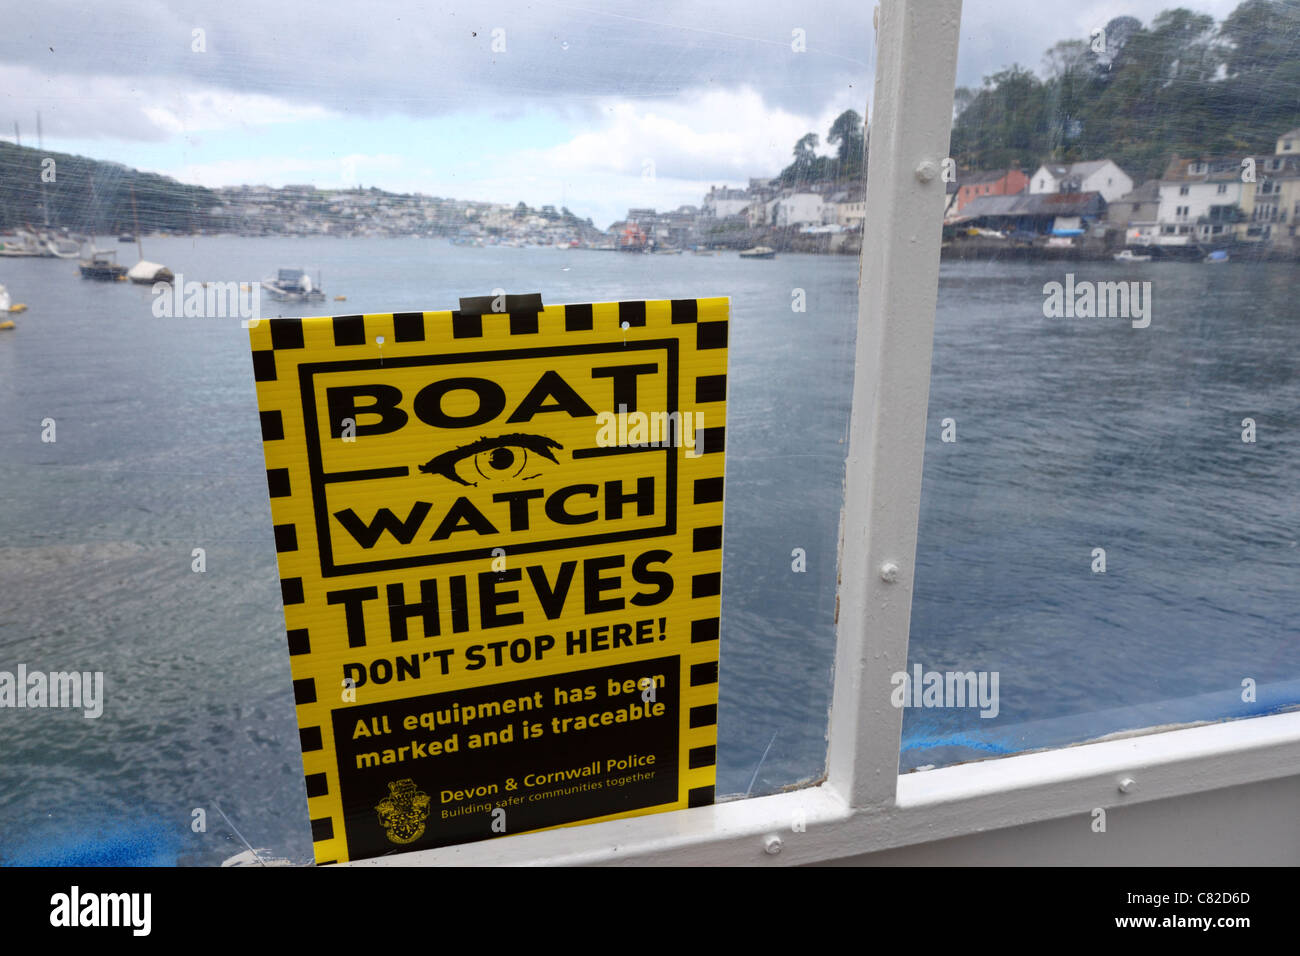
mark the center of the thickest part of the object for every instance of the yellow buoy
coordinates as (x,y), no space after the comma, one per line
(7,324)
(340,298)
(20,307)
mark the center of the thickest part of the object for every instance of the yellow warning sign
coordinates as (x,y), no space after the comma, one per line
(500,552)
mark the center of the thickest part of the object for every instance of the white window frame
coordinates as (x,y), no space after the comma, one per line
(863,804)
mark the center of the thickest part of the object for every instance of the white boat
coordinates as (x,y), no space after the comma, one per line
(147,273)
(63,248)
(294,285)
(7,306)
(1128,255)
(6,323)
(39,245)
(759,252)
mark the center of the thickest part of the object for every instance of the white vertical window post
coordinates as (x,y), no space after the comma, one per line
(915,76)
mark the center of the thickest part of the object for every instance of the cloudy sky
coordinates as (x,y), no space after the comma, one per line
(594,104)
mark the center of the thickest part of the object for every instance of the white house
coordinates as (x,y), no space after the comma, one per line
(1198,199)
(722,202)
(1288,144)
(1096,176)
(797,209)
(845,209)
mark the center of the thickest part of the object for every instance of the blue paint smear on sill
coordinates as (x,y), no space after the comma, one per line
(136,843)
(930,742)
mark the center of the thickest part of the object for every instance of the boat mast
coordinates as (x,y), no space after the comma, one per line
(135,217)
(40,146)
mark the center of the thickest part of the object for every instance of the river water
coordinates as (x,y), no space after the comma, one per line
(1070,435)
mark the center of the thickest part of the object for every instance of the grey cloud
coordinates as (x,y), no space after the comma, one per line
(425,59)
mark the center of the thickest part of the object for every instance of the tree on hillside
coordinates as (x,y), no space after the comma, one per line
(807,166)
(962,97)
(1119,31)
(1068,58)
(1004,122)
(848,135)
(1261,37)
(1261,48)
(1182,85)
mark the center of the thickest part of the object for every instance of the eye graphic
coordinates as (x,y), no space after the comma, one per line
(492,459)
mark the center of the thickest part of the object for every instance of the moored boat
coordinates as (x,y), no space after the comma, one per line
(759,252)
(294,285)
(147,273)
(102,266)
(6,308)
(39,245)
(62,248)
(144,272)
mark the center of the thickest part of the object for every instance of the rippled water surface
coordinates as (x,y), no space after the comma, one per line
(1071,435)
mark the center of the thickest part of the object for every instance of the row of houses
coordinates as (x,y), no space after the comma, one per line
(766,203)
(1248,199)
(735,215)
(1099,176)
(1196,202)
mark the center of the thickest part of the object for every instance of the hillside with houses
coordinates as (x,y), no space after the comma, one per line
(1246,203)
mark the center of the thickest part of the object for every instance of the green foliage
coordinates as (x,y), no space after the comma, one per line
(848,135)
(95,197)
(1183,85)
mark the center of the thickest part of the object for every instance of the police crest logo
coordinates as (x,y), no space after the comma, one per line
(402,813)
(500,551)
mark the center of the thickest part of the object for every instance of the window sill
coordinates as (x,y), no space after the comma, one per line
(930,805)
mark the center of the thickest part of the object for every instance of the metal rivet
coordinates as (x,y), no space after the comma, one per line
(889,572)
(772,845)
(926,170)
(1127,785)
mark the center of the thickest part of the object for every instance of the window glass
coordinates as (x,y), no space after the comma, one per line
(1108,531)
(403,156)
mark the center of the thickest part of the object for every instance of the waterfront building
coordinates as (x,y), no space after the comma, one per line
(1097,175)
(999,182)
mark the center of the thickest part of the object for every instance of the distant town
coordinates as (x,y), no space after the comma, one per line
(1091,209)
(727,218)
(816,204)
(1088,209)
